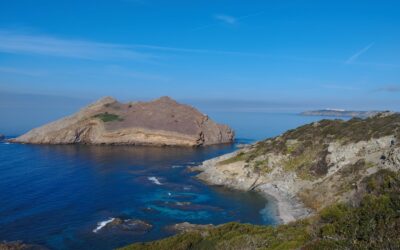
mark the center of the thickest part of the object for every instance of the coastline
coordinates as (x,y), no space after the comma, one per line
(286,206)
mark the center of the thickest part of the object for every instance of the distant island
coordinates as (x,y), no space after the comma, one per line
(162,122)
(340,113)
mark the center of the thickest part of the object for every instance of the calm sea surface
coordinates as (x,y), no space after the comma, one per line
(56,195)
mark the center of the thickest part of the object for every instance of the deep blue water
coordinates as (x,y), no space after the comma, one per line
(56,195)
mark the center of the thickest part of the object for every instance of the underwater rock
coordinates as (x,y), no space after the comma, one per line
(119,225)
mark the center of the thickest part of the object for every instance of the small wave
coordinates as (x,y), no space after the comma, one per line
(177,166)
(102,224)
(6,143)
(154,180)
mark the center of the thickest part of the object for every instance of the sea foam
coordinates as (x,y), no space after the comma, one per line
(154,180)
(102,224)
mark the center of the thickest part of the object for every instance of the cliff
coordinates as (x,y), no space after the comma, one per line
(336,184)
(107,121)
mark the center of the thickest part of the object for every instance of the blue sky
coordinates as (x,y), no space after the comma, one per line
(251,54)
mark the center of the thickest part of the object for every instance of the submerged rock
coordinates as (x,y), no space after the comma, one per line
(118,225)
(186,227)
(160,122)
(19,245)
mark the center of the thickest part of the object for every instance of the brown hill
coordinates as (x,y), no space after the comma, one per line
(107,121)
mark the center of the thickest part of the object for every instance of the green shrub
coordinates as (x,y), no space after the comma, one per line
(106,117)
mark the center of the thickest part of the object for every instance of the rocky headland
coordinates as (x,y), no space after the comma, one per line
(162,122)
(311,167)
(336,185)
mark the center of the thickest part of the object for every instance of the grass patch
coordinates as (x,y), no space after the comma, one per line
(239,157)
(106,117)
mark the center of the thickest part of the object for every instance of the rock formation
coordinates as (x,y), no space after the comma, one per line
(186,227)
(118,225)
(19,245)
(107,121)
(2,137)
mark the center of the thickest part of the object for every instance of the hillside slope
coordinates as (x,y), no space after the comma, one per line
(336,184)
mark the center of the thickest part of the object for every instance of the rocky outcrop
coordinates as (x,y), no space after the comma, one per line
(19,245)
(2,137)
(107,121)
(313,166)
(186,227)
(119,225)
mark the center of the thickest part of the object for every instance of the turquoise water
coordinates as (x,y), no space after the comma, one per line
(56,195)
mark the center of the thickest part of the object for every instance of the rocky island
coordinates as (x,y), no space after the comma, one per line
(162,122)
(2,137)
(336,185)
(340,113)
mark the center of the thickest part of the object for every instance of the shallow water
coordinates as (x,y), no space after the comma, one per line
(57,195)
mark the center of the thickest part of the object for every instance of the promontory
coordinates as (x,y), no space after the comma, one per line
(161,122)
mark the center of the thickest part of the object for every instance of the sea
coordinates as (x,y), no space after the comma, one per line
(62,196)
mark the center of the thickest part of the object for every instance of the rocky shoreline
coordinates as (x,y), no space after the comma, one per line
(287,206)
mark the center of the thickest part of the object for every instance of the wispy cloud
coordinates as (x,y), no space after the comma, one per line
(228,19)
(389,88)
(18,71)
(340,87)
(12,42)
(354,57)
(225,18)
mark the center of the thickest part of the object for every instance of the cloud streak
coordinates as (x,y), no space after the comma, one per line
(389,88)
(11,42)
(17,71)
(226,19)
(354,57)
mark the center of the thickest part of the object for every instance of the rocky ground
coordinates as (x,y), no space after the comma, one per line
(107,121)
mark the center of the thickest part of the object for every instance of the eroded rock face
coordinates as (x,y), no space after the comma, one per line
(107,121)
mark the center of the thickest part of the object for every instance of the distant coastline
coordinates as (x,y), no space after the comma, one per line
(340,113)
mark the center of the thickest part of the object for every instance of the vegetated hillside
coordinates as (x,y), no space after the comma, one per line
(319,163)
(371,222)
(336,183)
